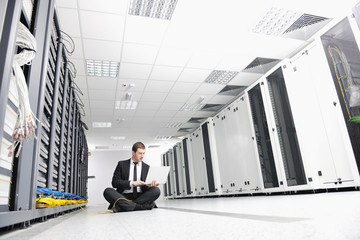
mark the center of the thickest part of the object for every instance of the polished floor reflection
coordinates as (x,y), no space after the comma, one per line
(333,215)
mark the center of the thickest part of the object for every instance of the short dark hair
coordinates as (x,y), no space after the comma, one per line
(138,145)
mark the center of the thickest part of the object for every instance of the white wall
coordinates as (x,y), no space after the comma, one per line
(102,165)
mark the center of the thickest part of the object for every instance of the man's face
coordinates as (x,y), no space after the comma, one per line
(138,155)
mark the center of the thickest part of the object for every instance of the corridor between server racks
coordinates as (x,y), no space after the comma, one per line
(334,215)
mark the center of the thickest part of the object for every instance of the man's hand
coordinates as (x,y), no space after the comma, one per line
(136,183)
(153,184)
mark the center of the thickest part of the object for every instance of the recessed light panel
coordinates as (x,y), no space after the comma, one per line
(101,68)
(129,105)
(101,124)
(162,9)
(117,137)
(220,77)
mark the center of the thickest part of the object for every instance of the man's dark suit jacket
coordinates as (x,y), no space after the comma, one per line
(120,179)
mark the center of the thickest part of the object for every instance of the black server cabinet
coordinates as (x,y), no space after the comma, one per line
(289,146)
(208,158)
(262,138)
(176,171)
(186,166)
(163,162)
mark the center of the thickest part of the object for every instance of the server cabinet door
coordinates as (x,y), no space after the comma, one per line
(287,140)
(198,159)
(228,154)
(170,181)
(249,165)
(186,164)
(262,138)
(178,154)
(341,45)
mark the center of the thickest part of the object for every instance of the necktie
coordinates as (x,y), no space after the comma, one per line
(135,179)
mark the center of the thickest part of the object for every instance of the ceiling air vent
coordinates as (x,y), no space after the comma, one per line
(261,65)
(185,129)
(212,107)
(162,137)
(232,90)
(196,120)
(290,24)
(153,146)
(162,9)
(305,26)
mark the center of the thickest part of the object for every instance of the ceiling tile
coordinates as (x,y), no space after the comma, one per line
(206,60)
(125,85)
(102,111)
(139,53)
(110,6)
(209,88)
(81,82)
(148,114)
(165,73)
(158,86)
(177,97)
(69,21)
(148,106)
(131,70)
(96,94)
(234,62)
(194,75)
(101,104)
(184,87)
(153,97)
(173,57)
(135,96)
(173,106)
(78,51)
(196,98)
(145,30)
(101,83)
(65,3)
(102,26)
(119,114)
(110,51)
(80,67)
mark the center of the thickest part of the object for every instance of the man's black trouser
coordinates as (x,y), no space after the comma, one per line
(127,201)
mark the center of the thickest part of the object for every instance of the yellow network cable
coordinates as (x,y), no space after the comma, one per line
(5,180)
(107,211)
(339,78)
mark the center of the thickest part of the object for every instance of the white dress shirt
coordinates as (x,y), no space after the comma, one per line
(131,174)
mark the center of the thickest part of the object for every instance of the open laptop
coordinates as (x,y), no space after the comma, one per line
(157,173)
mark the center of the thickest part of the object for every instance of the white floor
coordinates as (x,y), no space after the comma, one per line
(302,216)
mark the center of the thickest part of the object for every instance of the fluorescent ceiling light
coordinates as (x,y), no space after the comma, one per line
(117,137)
(101,68)
(162,9)
(220,76)
(129,105)
(101,124)
(276,21)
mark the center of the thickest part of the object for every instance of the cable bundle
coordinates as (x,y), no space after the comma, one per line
(25,124)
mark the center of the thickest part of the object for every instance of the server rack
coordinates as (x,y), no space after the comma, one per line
(188,167)
(238,164)
(179,169)
(42,162)
(263,140)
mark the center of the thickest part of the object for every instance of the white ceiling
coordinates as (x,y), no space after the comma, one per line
(168,61)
